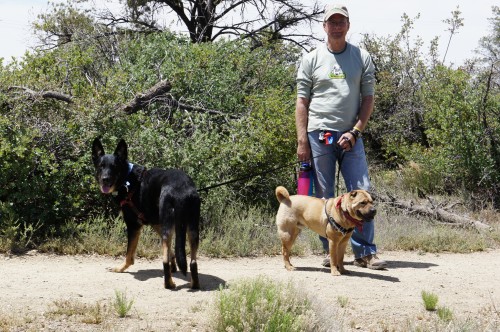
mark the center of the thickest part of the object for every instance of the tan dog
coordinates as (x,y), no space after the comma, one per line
(334,219)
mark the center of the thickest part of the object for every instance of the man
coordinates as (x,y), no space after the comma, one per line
(335,89)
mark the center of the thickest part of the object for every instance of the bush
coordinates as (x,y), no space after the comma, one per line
(430,300)
(47,174)
(262,305)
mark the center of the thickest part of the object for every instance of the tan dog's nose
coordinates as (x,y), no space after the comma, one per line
(371,214)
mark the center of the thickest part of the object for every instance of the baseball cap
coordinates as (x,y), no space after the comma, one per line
(335,9)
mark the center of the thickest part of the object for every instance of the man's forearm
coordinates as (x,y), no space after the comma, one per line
(301,113)
(365,112)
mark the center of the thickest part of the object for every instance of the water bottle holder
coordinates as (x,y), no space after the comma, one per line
(305,183)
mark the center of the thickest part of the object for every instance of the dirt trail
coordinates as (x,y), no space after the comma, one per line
(465,283)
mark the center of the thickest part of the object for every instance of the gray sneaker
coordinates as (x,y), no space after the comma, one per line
(371,262)
(326,261)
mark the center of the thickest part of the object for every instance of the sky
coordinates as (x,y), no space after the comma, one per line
(379,17)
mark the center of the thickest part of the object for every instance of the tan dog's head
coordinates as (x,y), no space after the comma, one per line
(359,204)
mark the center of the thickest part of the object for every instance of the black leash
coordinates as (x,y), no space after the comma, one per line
(339,161)
(272,170)
(246,177)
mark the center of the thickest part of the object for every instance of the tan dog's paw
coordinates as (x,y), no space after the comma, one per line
(336,272)
(118,269)
(290,267)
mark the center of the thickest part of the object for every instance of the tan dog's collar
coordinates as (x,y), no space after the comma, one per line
(334,224)
(355,221)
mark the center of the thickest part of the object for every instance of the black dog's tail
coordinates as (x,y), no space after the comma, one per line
(180,243)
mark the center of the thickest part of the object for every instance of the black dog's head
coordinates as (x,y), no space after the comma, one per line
(110,169)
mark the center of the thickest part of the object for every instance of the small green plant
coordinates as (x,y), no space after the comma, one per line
(430,300)
(445,314)
(15,235)
(122,304)
(342,301)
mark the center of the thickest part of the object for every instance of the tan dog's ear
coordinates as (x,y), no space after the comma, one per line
(353,193)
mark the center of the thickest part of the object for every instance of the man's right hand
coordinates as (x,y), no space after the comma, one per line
(304,151)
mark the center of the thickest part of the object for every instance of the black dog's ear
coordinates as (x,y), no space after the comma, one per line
(121,150)
(97,150)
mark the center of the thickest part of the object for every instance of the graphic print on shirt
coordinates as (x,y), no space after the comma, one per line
(336,73)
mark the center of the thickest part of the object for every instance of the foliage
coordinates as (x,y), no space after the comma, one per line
(461,132)
(445,314)
(122,304)
(430,300)
(443,120)
(239,231)
(397,118)
(45,144)
(342,301)
(262,305)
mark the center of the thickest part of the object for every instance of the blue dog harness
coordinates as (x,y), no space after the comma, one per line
(141,219)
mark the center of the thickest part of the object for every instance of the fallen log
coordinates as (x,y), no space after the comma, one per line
(433,212)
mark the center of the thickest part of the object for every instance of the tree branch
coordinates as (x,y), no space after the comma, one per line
(157,94)
(44,94)
(143,99)
(174,103)
(433,212)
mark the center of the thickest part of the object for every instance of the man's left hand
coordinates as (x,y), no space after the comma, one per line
(346,141)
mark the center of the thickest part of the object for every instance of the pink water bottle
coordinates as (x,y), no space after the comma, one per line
(304,180)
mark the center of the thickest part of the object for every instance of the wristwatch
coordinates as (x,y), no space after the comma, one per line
(355,132)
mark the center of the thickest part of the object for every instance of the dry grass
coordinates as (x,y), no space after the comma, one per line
(88,314)
(261,304)
(405,230)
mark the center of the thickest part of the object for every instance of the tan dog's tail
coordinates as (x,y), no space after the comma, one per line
(282,194)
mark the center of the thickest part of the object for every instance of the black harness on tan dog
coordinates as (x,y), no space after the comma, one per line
(141,219)
(336,225)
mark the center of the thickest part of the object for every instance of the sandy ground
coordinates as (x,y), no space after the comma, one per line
(468,284)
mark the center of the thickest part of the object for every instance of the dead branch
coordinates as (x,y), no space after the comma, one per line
(143,99)
(174,103)
(433,212)
(157,94)
(43,94)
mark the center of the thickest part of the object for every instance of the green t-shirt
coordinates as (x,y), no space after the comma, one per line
(335,83)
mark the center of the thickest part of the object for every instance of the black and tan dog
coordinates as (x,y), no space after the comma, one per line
(334,219)
(167,200)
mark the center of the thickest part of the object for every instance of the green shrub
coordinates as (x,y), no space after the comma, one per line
(262,305)
(47,174)
(430,300)
(445,314)
(122,304)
